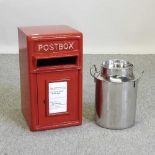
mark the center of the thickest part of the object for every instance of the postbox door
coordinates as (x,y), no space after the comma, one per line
(58,97)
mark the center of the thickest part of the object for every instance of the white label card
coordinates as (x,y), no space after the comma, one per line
(57,97)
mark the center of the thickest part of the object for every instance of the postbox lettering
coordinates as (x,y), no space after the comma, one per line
(60,47)
(55,46)
(46,47)
(39,47)
(65,46)
(70,45)
(51,47)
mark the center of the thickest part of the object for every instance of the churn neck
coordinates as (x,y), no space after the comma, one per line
(117,68)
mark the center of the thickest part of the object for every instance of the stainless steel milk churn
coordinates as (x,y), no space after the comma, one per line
(116,93)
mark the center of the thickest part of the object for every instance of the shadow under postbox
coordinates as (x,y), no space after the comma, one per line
(51,76)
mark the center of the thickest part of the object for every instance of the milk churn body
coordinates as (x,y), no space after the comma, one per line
(51,76)
(115,97)
(110,112)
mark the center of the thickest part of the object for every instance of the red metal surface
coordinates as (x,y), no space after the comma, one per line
(99,97)
(48,43)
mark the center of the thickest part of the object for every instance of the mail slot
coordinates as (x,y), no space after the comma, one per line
(56,61)
(50,60)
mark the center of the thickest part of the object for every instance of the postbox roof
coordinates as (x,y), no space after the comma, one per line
(48,30)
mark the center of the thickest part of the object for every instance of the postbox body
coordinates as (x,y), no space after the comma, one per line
(51,76)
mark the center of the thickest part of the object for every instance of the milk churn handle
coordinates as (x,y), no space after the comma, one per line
(141,74)
(93,70)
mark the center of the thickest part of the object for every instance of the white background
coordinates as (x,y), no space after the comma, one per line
(109,26)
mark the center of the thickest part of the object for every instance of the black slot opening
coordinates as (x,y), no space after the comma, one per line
(56,61)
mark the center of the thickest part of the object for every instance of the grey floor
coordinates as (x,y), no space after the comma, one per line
(88,139)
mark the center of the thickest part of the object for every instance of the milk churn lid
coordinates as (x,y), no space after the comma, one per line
(117,70)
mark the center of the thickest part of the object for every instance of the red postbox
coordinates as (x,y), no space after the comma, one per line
(51,76)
